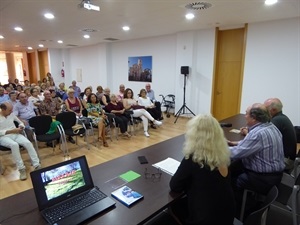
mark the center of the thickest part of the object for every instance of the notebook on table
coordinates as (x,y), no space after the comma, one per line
(66,194)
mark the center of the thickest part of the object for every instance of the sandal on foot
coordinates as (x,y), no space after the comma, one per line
(105,144)
(126,134)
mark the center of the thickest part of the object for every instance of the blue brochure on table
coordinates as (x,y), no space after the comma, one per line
(126,195)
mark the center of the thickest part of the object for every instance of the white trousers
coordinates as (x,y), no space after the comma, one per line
(13,141)
(144,115)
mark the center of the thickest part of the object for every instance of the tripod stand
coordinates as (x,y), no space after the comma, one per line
(181,111)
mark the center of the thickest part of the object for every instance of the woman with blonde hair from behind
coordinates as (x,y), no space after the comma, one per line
(203,176)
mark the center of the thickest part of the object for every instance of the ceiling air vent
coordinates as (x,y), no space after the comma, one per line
(111,39)
(89,30)
(71,45)
(198,5)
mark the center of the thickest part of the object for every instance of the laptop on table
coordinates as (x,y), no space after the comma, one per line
(66,194)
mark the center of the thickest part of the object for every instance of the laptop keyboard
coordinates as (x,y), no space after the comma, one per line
(73,205)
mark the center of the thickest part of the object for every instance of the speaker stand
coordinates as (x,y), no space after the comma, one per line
(182,109)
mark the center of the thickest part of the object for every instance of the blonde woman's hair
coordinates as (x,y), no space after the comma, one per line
(205,142)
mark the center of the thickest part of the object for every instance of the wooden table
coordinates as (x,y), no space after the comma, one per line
(22,208)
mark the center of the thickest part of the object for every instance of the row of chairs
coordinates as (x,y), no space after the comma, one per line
(40,125)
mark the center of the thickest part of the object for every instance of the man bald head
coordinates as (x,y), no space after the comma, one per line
(274,106)
(6,108)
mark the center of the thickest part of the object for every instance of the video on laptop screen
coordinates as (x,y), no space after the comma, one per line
(62,180)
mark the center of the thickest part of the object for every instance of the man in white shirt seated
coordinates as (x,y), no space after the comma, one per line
(11,137)
(151,95)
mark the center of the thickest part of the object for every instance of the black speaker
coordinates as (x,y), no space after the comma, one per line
(184,70)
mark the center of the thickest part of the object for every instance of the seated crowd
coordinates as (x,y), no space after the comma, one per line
(22,102)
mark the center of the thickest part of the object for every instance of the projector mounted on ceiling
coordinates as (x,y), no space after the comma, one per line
(86,4)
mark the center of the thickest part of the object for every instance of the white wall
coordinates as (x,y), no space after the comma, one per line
(271,65)
(163,52)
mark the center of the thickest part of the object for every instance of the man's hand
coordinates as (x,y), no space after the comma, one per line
(15,131)
(232,143)
(244,131)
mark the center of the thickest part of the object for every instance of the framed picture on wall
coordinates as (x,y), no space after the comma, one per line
(140,68)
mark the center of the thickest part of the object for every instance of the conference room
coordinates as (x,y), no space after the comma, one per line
(269,62)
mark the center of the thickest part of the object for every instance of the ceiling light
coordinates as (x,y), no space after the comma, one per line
(126,28)
(189,16)
(86,36)
(270,2)
(29,48)
(41,45)
(1,37)
(18,29)
(49,16)
(60,41)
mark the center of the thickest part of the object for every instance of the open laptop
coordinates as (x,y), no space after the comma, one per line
(65,186)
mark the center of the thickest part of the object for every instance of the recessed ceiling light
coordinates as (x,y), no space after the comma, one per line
(49,16)
(270,2)
(86,36)
(29,48)
(1,37)
(126,28)
(18,29)
(41,45)
(189,16)
(60,41)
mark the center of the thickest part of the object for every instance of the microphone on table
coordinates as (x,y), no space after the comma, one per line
(226,124)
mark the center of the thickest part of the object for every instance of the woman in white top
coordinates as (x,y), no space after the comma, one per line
(149,106)
(131,104)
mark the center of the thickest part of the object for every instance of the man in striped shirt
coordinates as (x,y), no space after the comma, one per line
(260,153)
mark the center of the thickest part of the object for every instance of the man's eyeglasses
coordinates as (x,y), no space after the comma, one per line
(153,176)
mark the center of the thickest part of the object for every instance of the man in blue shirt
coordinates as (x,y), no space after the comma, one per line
(3,97)
(76,89)
(260,153)
(151,95)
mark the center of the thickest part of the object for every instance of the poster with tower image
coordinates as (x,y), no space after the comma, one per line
(140,68)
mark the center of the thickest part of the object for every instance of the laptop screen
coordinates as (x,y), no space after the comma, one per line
(61,181)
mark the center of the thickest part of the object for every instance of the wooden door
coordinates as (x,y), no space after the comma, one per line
(228,72)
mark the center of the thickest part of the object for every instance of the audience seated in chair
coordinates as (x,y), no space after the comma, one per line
(49,106)
(96,113)
(99,93)
(138,111)
(120,95)
(73,104)
(118,109)
(151,95)
(76,89)
(259,156)
(106,97)
(149,106)
(11,137)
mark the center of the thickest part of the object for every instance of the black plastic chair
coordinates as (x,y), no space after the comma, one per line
(259,217)
(288,200)
(41,125)
(68,119)
(295,201)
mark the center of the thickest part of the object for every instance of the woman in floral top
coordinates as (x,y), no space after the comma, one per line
(96,113)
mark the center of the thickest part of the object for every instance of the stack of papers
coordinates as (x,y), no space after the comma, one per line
(168,165)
